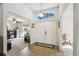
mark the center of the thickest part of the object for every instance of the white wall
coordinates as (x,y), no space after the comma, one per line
(67,23)
(63,7)
(33,33)
(62,12)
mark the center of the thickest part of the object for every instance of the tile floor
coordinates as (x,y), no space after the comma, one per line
(17,45)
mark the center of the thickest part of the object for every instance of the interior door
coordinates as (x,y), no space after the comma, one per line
(41,32)
(47,32)
(51,32)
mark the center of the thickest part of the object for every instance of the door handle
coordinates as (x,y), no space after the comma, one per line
(45,32)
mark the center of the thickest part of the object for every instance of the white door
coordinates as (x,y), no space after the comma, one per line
(51,32)
(41,32)
(46,32)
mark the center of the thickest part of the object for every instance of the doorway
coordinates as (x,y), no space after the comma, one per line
(47,32)
(15,40)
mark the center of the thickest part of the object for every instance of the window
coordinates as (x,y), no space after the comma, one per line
(45,15)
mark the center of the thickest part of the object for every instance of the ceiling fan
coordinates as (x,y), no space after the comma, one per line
(15,21)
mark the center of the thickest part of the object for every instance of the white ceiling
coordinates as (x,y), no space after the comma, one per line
(37,6)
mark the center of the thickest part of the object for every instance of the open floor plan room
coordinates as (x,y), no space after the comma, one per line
(36,29)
